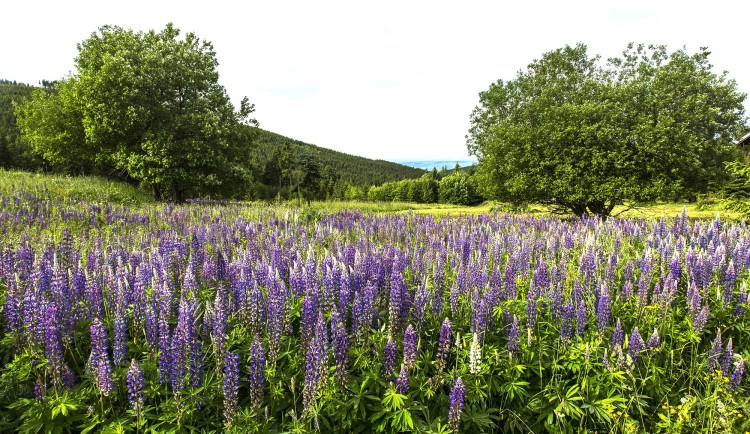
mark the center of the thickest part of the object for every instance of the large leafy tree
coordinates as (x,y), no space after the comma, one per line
(151,107)
(584,137)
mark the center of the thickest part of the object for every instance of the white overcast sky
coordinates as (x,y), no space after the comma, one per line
(390,80)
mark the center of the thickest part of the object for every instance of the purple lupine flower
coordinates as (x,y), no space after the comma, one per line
(531,310)
(135,386)
(100,362)
(730,280)
(420,305)
(653,341)
(219,324)
(510,279)
(257,371)
(68,377)
(40,389)
(675,268)
(514,339)
(410,347)
(566,327)
(164,348)
(726,360)
(715,354)
(119,346)
(341,351)
(444,342)
(316,363)
(734,382)
(577,292)
(456,405)
(186,349)
(53,340)
(402,382)
(454,295)
(558,303)
(701,319)
(398,303)
(389,358)
(636,345)
(231,385)
(739,310)
(617,335)
(581,315)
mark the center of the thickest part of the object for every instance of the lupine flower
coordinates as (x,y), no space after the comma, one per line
(730,280)
(701,319)
(410,347)
(739,310)
(341,351)
(135,386)
(231,385)
(40,389)
(734,382)
(602,309)
(68,377)
(456,405)
(617,335)
(726,360)
(713,356)
(119,348)
(389,358)
(100,362)
(653,341)
(514,339)
(402,382)
(444,342)
(475,356)
(53,340)
(636,345)
(257,371)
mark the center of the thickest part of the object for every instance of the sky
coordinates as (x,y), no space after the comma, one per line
(389,80)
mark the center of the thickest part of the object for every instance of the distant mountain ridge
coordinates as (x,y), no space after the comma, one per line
(438,164)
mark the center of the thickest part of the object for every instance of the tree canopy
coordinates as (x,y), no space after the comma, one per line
(586,137)
(150,106)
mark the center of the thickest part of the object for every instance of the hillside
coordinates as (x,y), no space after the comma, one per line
(358,171)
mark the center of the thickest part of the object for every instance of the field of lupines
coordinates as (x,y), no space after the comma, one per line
(216,317)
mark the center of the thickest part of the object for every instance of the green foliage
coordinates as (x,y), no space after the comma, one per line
(573,134)
(458,188)
(150,106)
(13,152)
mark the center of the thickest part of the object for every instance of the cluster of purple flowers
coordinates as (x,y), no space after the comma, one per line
(356,277)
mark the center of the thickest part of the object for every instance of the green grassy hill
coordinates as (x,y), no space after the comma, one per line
(358,171)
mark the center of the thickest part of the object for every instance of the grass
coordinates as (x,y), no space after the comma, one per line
(90,188)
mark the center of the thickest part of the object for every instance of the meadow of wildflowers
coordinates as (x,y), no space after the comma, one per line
(254,318)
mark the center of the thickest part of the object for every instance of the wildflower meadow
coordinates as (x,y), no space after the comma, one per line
(152,317)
